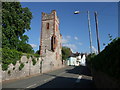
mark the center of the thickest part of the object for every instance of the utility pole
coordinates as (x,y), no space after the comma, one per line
(96,21)
(89,28)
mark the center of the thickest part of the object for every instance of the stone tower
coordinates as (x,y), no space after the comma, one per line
(51,39)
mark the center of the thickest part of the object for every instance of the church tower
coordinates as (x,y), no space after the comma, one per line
(51,39)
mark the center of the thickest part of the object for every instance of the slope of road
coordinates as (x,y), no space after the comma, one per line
(68,77)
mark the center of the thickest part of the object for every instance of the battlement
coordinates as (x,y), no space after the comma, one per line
(50,16)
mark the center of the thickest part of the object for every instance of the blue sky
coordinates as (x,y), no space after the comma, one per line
(74,28)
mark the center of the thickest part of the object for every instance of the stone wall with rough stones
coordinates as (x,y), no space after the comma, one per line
(27,70)
(48,64)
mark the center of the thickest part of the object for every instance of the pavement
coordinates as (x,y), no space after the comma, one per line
(68,77)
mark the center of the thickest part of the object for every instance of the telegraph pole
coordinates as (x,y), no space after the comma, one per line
(96,21)
(89,28)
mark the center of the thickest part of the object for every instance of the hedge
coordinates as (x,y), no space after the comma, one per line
(108,61)
(21,66)
(9,56)
(12,56)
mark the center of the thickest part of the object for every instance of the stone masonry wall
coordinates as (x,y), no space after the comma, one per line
(50,63)
(47,65)
(28,69)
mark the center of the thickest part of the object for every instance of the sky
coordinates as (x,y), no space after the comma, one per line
(74,27)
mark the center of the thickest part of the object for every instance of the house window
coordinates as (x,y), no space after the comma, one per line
(47,25)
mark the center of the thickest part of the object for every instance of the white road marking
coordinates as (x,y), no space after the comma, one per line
(49,79)
(78,80)
(31,86)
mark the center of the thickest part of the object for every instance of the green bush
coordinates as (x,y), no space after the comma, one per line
(37,56)
(89,59)
(32,55)
(28,56)
(66,52)
(21,66)
(34,61)
(108,61)
(10,56)
(4,67)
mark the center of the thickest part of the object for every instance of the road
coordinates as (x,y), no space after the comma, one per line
(68,77)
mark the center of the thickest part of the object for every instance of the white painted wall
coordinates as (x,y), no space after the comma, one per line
(83,61)
(75,61)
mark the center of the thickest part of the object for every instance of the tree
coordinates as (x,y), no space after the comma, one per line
(15,22)
(66,52)
(38,52)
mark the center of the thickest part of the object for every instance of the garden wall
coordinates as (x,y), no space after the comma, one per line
(48,64)
(13,72)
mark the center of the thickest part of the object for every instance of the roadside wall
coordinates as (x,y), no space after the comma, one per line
(28,69)
(48,64)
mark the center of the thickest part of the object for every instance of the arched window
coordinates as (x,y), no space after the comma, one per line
(47,25)
(53,42)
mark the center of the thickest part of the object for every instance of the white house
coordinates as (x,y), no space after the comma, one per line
(83,60)
(73,61)
(76,60)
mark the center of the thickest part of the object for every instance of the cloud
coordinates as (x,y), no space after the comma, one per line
(33,45)
(76,38)
(66,42)
(80,43)
(73,47)
(66,39)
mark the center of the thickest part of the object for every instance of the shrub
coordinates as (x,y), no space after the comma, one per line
(34,61)
(66,52)
(21,66)
(4,67)
(28,56)
(37,56)
(9,56)
(108,60)
(89,59)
